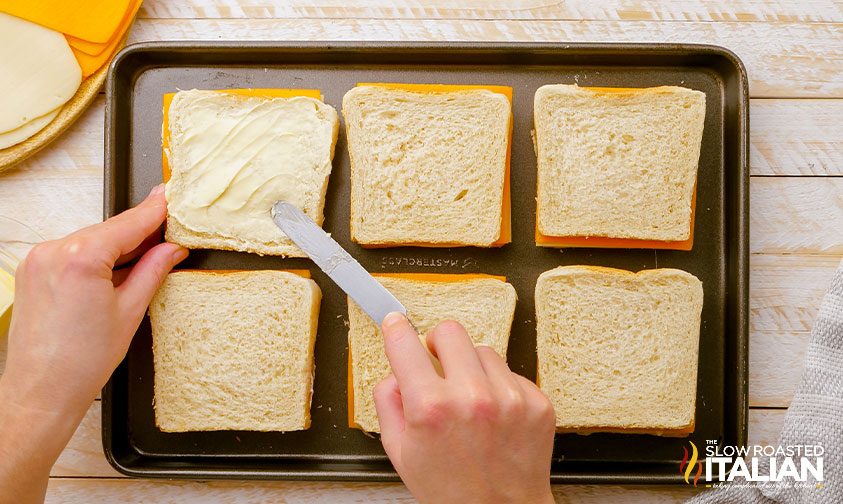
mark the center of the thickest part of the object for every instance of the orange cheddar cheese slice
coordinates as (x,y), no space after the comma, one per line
(90,64)
(440,88)
(300,272)
(91,20)
(259,92)
(629,243)
(678,432)
(97,48)
(350,394)
(427,277)
(618,90)
(440,277)
(506,210)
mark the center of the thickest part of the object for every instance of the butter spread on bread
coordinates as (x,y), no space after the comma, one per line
(232,156)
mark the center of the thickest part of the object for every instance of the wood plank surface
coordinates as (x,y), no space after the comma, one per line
(127,491)
(776,360)
(796,137)
(786,291)
(620,10)
(795,59)
(785,295)
(796,215)
(133,491)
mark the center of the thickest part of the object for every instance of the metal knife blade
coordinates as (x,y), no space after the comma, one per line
(338,264)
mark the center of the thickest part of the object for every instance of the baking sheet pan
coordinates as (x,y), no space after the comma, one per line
(141,74)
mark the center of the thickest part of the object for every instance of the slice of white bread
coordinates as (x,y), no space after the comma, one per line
(617,162)
(618,351)
(485,305)
(234,350)
(427,168)
(232,156)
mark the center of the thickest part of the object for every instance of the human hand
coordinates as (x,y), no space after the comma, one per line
(74,315)
(480,433)
(73,320)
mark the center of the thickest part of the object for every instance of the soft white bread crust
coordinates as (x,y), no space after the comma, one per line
(234,350)
(175,232)
(485,306)
(617,163)
(618,351)
(427,168)
(233,139)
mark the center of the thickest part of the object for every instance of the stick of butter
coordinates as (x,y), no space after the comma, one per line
(7,297)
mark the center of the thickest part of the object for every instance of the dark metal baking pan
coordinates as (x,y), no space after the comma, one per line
(141,74)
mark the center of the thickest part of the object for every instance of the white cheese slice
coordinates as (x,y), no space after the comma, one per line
(38,72)
(18,135)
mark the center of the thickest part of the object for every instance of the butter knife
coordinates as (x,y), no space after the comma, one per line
(338,264)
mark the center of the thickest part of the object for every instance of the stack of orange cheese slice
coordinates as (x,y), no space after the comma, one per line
(47,49)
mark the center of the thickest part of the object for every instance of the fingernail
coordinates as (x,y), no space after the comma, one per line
(180,254)
(156,190)
(392,319)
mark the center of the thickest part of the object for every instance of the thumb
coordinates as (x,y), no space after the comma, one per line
(147,275)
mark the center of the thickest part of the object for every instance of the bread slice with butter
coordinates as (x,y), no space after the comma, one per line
(618,351)
(232,155)
(233,350)
(484,304)
(617,164)
(429,164)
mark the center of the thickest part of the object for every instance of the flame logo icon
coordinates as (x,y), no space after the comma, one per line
(686,467)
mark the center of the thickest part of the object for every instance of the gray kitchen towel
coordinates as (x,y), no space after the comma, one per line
(815,417)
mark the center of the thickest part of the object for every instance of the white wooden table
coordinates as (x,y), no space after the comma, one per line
(793,51)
